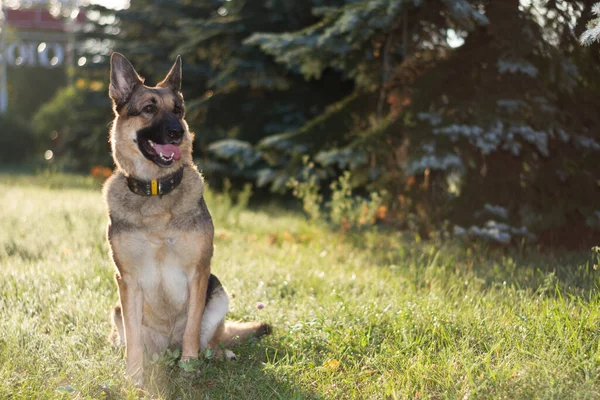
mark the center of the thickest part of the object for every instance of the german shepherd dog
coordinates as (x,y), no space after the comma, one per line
(160,231)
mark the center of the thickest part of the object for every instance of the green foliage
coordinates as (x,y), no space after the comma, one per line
(522,137)
(596,250)
(495,121)
(345,210)
(592,33)
(307,191)
(349,35)
(17,140)
(243,197)
(233,202)
(74,125)
(349,211)
(30,87)
(365,41)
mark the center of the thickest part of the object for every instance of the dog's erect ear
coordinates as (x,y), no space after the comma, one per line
(173,78)
(123,79)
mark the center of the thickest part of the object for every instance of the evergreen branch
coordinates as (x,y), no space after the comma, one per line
(592,34)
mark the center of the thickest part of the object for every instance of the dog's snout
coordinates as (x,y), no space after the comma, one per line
(175,131)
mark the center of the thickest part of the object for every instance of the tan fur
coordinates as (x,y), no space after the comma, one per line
(161,246)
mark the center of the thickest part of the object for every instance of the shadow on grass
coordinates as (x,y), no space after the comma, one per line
(542,271)
(248,377)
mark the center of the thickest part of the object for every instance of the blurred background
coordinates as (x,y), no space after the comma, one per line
(475,117)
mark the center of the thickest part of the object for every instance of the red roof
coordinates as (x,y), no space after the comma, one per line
(36,19)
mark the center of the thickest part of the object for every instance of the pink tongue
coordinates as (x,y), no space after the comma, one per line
(167,150)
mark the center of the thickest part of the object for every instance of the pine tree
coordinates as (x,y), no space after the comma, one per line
(497,134)
(592,33)
(365,41)
(508,123)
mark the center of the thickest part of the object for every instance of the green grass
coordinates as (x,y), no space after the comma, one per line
(356,316)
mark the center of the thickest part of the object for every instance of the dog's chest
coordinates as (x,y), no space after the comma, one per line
(163,263)
(165,270)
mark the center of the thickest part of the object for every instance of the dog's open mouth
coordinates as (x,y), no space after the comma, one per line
(161,154)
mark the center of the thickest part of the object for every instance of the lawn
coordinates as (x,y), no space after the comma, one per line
(365,315)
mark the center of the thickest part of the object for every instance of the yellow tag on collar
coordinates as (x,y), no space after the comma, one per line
(154,184)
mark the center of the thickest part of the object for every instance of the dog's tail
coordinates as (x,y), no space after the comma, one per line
(238,332)
(231,332)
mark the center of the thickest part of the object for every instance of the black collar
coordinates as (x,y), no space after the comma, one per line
(155,187)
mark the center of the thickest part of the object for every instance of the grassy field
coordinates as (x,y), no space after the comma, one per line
(356,316)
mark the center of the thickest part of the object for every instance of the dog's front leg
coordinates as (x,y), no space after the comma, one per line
(191,336)
(131,305)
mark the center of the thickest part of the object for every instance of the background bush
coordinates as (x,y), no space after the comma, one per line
(17,140)
(74,124)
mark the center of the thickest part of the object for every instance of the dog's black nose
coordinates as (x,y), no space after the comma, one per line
(175,131)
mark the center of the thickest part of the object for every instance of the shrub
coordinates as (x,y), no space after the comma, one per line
(345,210)
(17,140)
(74,124)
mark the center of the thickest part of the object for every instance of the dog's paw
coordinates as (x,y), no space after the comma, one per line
(138,381)
(137,377)
(223,354)
(230,355)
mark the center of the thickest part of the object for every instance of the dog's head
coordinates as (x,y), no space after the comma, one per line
(149,137)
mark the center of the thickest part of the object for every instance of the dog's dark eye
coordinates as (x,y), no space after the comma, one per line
(150,109)
(178,111)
